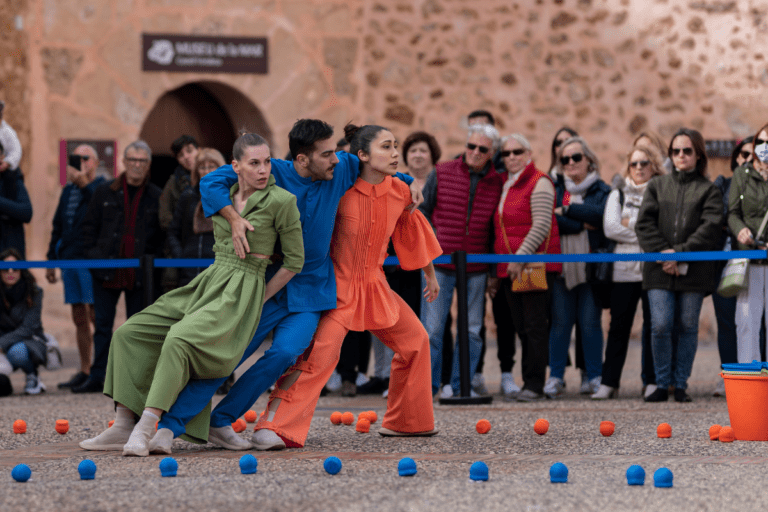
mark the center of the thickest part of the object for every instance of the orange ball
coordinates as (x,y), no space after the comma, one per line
(251,416)
(727,435)
(336,418)
(541,426)
(62,426)
(664,430)
(239,425)
(111,422)
(607,428)
(347,418)
(363,426)
(483,427)
(714,432)
(372,416)
(19,427)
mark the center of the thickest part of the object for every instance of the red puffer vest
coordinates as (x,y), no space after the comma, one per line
(518,220)
(454,231)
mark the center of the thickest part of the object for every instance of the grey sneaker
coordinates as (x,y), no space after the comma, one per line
(594,384)
(586,388)
(527,395)
(508,386)
(478,384)
(554,387)
(33,386)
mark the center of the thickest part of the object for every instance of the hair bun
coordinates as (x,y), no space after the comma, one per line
(349,131)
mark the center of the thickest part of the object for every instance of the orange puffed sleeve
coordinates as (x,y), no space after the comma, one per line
(414,241)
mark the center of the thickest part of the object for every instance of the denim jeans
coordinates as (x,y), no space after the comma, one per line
(433,315)
(566,306)
(670,310)
(725,313)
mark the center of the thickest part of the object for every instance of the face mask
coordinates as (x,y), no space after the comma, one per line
(762,152)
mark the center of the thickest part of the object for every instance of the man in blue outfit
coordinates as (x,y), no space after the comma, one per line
(318,177)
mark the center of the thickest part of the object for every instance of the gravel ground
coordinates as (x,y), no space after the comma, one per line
(707,475)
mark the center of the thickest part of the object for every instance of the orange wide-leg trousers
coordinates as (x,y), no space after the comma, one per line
(409,403)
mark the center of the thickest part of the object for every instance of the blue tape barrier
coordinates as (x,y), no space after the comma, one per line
(392,260)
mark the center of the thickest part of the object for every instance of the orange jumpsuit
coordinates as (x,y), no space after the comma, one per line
(367,217)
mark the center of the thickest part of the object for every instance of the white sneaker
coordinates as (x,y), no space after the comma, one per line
(478,384)
(554,387)
(265,439)
(33,386)
(114,438)
(508,386)
(385,394)
(649,389)
(334,382)
(361,379)
(720,389)
(226,437)
(446,392)
(162,442)
(605,392)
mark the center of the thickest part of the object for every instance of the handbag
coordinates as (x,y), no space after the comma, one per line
(734,278)
(533,277)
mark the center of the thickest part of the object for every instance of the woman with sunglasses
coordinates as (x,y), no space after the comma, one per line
(748,198)
(681,212)
(581,196)
(619,220)
(561,136)
(525,224)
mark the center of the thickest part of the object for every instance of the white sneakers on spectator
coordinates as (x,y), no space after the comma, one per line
(508,386)
(265,439)
(162,442)
(605,392)
(226,437)
(594,384)
(720,389)
(33,386)
(554,387)
(115,437)
(649,389)
(446,392)
(589,386)
(478,384)
(361,379)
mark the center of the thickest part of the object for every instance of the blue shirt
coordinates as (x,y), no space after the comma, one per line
(314,289)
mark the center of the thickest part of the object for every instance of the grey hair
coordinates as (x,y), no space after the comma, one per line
(594,165)
(139,145)
(519,137)
(89,146)
(486,130)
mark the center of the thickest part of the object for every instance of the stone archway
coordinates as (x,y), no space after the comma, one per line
(212,112)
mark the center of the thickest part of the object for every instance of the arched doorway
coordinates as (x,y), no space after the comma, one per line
(211,112)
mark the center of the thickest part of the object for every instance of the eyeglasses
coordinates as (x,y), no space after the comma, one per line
(482,149)
(685,151)
(516,152)
(640,164)
(136,161)
(576,157)
(746,155)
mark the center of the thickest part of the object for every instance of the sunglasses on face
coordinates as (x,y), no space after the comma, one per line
(641,164)
(516,152)
(685,151)
(746,155)
(8,270)
(482,149)
(760,141)
(576,157)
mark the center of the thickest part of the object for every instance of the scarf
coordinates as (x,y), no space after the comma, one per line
(575,273)
(126,277)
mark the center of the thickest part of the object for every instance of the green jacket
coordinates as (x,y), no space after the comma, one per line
(684,212)
(747,202)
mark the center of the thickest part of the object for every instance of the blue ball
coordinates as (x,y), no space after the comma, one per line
(168,466)
(406,467)
(558,473)
(332,465)
(478,471)
(662,478)
(87,469)
(635,475)
(248,464)
(21,473)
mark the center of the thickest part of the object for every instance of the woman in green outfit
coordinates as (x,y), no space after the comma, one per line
(201,330)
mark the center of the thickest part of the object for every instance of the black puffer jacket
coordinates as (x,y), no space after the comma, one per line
(182,239)
(22,323)
(681,211)
(104,224)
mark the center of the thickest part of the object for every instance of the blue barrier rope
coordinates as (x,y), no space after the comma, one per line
(392,260)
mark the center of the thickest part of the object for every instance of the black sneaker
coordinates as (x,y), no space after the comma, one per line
(90,386)
(682,396)
(77,380)
(660,395)
(374,386)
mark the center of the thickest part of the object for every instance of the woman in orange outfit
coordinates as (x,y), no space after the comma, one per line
(372,211)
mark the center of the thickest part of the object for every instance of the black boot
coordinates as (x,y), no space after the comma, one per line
(682,396)
(660,395)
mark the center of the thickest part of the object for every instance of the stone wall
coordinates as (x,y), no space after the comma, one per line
(608,68)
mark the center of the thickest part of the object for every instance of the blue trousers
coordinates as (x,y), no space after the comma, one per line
(292,334)
(19,357)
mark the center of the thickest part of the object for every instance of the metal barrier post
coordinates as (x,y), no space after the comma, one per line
(148,278)
(459,258)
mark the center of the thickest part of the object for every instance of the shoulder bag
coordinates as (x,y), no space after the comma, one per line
(533,277)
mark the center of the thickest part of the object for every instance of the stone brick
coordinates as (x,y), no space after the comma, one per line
(578,92)
(400,114)
(713,7)
(60,66)
(509,79)
(563,19)
(696,25)
(602,57)
(340,55)
(638,124)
